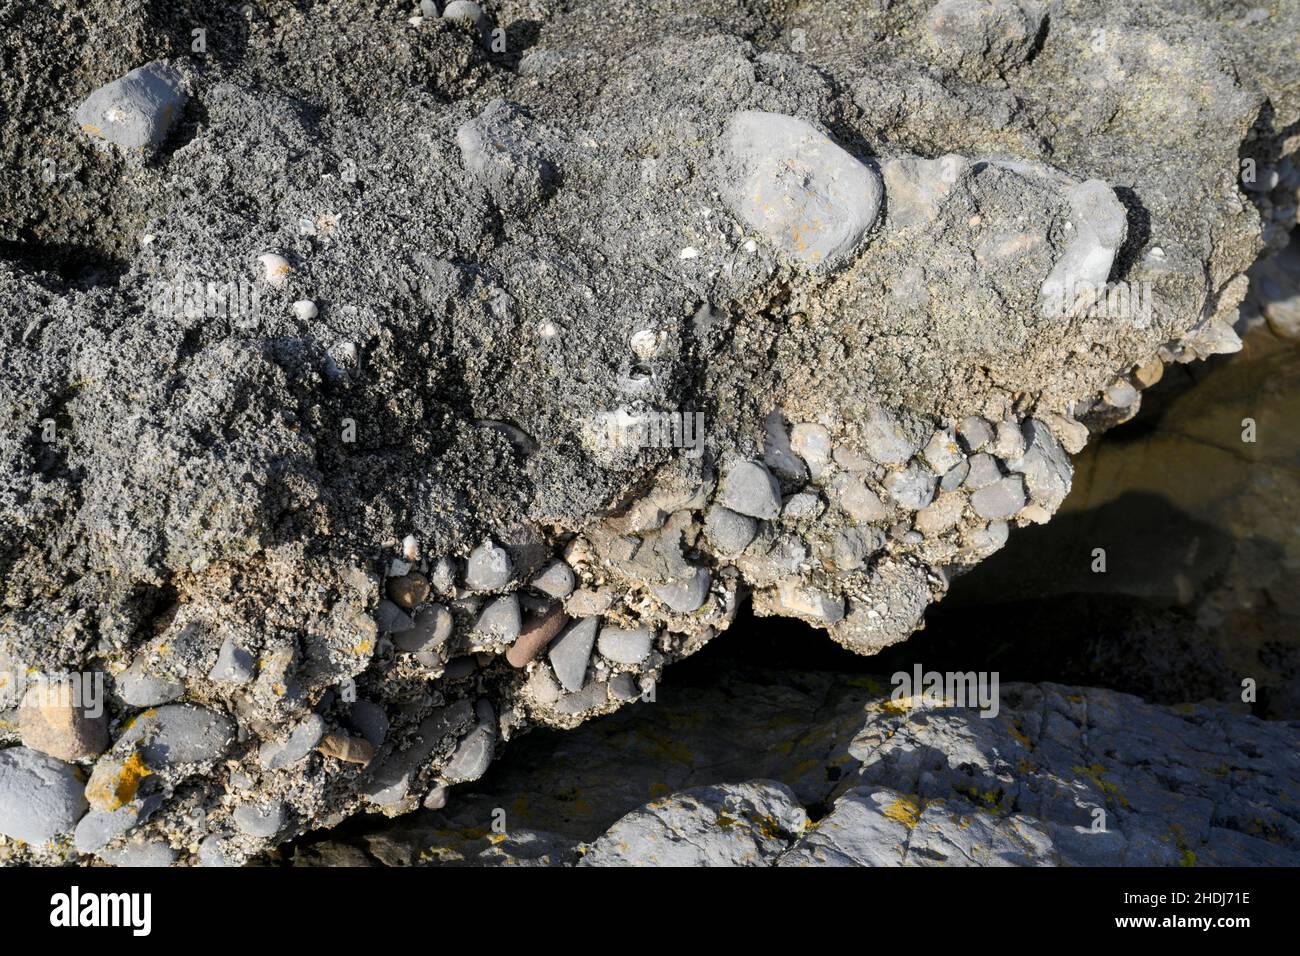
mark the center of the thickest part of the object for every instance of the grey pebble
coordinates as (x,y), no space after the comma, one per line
(955,477)
(234,664)
(180,734)
(501,619)
(139,853)
(622,686)
(812,443)
(975,433)
(370,720)
(791,183)
(858,501)
(686,593)
(489,568)
(624,646)
(392,619)
(983,471)
(433,626)
(1000,500)
(778,455)
(748,488)
(729,531)
(138,688)
(571,651)
(260,819)
(301,742)
(556,579)
(912,487)
(40,797)
(886,442)
(136,111)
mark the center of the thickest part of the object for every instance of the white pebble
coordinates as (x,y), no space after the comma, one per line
(277,269)
(305,310)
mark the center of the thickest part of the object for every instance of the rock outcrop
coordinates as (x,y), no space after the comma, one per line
(359,344)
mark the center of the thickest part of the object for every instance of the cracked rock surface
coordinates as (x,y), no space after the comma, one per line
(1065,776)
(357,348)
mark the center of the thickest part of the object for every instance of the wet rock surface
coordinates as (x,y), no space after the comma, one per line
(346,342)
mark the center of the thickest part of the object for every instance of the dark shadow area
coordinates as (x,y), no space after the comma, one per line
(80,266)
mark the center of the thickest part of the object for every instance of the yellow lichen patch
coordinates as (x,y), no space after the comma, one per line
(905,811)
(901,706)
(362,648)
(120,789)
(1020,736)
(1094,773)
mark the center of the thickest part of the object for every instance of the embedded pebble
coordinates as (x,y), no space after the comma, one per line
(792,184)
(538,631)
(1045,466)
(262,820)
(216,852)
(625,646)
(686,593)
(729,532)
(812,443)
(460,667)
(556,579)
(409,590)
(622,686)
(179,734)
(139,852)
(98,828)
(443,576)
(305,310)
(912,487)
(356,750)
(53,721)
(1009,443)
(778,455)
(804,506)
(974,433)
(748,488)
(955,477)
(983,471)
(474,754)
(436,799)
(370,720)
(467,11)
(500,620)
(588,603)
(135,111)
(571,651)
(885,439)
(942,452)
(1101,224)
(858,501)
(303,740)
(809,602)
(139,688)
(234,665)
(40,797)
(275,269)
(940,515)
(1002,499)
(391,619)
(489,568)
(432,627)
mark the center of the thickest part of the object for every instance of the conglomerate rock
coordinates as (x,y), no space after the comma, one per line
(351,323)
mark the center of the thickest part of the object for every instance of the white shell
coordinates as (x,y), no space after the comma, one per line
(277,269)
(411,548)
(305,309)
